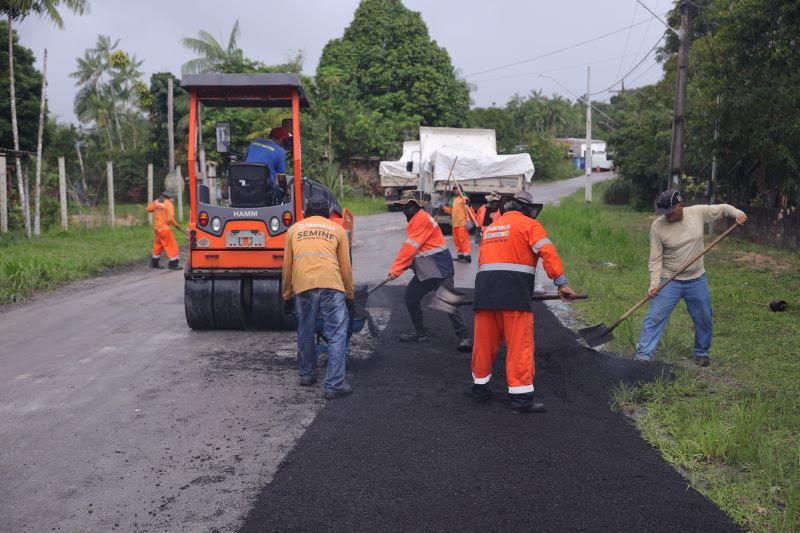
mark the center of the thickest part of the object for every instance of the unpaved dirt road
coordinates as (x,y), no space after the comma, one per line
(115,416)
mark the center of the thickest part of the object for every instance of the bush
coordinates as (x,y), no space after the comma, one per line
(617,192)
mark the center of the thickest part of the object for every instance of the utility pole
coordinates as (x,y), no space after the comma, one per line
(679,119)
(588,156)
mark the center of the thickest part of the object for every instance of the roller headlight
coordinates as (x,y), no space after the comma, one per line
(216,224)
(274,224)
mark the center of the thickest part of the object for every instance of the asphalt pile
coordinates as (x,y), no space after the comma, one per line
(409,451)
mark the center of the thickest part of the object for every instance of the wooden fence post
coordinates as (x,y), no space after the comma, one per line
(150,190)
(110,177)
(3,196)
(62,191)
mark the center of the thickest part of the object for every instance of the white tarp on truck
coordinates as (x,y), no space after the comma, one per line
(394,172)
(472,165)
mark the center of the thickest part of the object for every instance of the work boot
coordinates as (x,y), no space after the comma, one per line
(345,390)
(413,336)
(702,360)
(307,382)
(462,258)
(465,345)
(154,262)
(523,403)
(533,407)
(173,265)
(479,393)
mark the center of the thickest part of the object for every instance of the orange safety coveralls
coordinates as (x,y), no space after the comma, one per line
(163,218)
(459,217)
(510,249)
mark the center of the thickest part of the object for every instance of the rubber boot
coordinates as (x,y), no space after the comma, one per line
(173,265)
(154,262)
(479,393)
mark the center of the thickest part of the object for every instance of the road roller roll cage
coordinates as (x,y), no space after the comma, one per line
(245,90)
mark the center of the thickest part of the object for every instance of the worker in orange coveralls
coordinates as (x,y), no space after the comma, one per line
(458,211)
(486,214)
(510,249)
(426,253)
(163,218)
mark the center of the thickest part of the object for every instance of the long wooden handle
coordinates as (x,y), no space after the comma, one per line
(539,297)
(680,271)
(449,175)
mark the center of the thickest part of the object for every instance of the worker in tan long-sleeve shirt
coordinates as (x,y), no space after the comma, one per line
(676,237)
(318,278)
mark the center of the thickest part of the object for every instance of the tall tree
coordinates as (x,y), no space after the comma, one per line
(213,56)
(18,10)
(386,70)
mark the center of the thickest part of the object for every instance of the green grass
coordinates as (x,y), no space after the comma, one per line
(33,265)
(364,205)
(734,428)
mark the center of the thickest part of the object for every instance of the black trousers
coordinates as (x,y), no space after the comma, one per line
(416,291)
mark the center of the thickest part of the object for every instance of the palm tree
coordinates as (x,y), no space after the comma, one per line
(212,56)
(18,10)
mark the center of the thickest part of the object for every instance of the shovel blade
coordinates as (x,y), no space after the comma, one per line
(596,335)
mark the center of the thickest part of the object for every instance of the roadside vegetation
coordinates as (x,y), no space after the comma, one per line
(56,257)
(733,429)
(365,205)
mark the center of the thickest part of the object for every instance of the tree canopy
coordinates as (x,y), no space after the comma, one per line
(383,78)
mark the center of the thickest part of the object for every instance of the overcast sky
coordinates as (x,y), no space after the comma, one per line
(479,36)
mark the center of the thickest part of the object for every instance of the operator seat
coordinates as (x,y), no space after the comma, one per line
(250,185)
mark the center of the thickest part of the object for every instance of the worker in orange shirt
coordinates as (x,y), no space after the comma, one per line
(459,214)
(425,251)
(510,249)
(163,240)
(486,214)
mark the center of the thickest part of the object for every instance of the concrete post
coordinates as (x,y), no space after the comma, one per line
(588,156)
(150,191)
(62,192)
(110,177)
(3,196)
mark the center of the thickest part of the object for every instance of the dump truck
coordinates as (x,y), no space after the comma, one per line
(446,155)
(232,278)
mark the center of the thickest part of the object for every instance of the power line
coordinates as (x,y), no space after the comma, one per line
(538,72)
(633,69)
(564,49)
(646,31)
(578,98)
(628,38)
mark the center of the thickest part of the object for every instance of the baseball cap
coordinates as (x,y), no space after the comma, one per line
(279,133)
(169,193)
(667,201)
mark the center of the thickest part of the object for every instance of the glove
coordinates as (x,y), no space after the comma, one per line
(288,306)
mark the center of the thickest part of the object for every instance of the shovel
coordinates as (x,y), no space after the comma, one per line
(601,334)
(448,300)
(361,313)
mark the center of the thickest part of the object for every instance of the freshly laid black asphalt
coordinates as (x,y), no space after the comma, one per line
(408,451)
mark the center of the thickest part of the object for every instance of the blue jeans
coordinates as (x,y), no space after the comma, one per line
(698,302)
(308,305)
